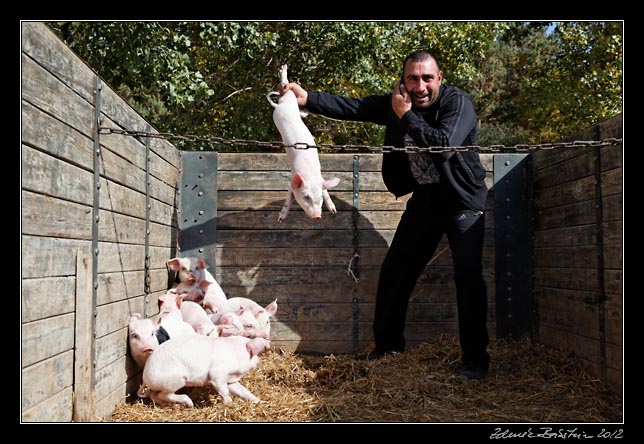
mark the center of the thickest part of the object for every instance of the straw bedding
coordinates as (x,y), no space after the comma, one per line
(526,383)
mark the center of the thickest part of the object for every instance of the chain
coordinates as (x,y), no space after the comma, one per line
(519,148)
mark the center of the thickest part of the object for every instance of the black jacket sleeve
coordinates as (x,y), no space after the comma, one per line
(368,109)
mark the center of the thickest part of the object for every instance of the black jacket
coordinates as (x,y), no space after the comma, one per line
(450,121)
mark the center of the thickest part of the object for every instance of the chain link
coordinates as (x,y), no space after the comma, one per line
(519,148)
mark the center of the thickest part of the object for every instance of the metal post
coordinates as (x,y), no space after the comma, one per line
(513,245)
(601,289)
(198,206)
(146,284)
(355,308)
(96,217)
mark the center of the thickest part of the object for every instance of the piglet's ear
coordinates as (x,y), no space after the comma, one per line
(297,181)
(202,264)
(330,183)
(174,264)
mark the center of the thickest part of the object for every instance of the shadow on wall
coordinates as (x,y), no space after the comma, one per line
(307,266)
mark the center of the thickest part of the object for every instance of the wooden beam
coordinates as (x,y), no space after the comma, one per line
(84,394)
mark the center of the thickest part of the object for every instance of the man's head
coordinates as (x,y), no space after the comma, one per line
(422,78)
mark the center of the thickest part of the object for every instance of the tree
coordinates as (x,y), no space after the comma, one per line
(529,81)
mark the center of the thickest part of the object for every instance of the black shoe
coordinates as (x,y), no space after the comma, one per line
(473,373)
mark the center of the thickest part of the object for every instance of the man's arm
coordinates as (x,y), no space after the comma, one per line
(368,109)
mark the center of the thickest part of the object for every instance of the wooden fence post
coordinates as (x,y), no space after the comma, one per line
(84,393)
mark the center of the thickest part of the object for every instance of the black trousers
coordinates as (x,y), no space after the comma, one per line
(427,217)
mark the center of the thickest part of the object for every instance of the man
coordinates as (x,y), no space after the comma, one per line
(449,194)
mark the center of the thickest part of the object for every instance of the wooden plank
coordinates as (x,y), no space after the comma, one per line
(578,190)
(279,180)
(113,287)
(581,213)
(581,346)
(114,227)
(106,406)
(571,296)
(116,257)
(611,157)
(130,149)
(582,279)
(84,390)
(368,220)
(612,182)
(331,162)
(162,235)
(40,43)
(111,347)
(328,331)
(613,256)
(110,378)
(572,169)
(166,151)
(46,378)
(566,257)
(115,316)
(614,357)
(434,275)
(613,282)
(46,216)
(36,302)
(163,212)
(612,209)
(292,313)
(339,292)
(274,200)
(119,199)
(122,115)
(614,315)
(46,337)
(57,408)
(578,319)
(578,235)
(545,159)
(50,135)
(281,238)
(47,256)
(162,170)
(321,256)
(48,93)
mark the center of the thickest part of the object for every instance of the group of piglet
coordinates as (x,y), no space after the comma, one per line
(199,337)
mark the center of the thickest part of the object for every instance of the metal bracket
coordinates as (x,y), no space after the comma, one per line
(95,215)
(355,272)
(601,287)
(146,284)
(513,245)
(198,206)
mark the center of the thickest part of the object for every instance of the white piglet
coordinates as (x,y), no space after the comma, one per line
(307,185)
(198,361)
(142,338)
(193,271)
(196,316)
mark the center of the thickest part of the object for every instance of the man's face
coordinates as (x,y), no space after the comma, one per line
(422,81)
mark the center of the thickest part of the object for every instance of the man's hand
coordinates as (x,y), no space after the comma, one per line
(400,100)
(300,93)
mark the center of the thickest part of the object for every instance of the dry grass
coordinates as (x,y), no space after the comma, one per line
(526,383)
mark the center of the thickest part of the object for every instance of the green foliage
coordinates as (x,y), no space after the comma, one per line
(529,81)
